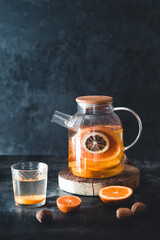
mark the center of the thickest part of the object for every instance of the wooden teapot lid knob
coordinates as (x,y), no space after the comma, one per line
(94,99)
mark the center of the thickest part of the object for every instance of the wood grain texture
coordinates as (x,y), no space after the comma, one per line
(68,182)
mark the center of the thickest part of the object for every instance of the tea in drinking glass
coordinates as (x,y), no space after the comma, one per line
(29,183)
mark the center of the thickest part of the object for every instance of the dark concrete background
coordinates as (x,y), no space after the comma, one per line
(54,51)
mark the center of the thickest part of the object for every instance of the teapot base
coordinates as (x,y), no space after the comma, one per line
(68,182)
(98,174)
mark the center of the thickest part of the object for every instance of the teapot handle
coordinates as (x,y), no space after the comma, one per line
(139,124)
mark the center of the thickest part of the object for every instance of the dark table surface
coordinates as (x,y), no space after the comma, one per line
(94,219)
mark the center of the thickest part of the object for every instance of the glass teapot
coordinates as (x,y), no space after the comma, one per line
(95,136)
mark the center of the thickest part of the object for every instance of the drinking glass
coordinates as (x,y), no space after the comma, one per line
(29,183)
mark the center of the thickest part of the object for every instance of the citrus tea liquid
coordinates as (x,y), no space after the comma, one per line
(29,192)
(96,152)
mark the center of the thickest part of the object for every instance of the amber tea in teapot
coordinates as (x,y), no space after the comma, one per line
(95,134)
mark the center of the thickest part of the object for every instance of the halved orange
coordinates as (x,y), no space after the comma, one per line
(115,194)
(68,203)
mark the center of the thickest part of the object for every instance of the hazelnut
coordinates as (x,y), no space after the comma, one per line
(123,213)
(138,208)
(44,216)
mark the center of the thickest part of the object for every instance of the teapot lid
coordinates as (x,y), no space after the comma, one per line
(94,99)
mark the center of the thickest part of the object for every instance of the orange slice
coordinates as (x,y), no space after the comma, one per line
(68,203)
(31,199)
(115,194)
(97,143)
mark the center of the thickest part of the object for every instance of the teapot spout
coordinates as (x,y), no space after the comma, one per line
(61,119)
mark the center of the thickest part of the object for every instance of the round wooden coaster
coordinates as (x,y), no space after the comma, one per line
(130,177)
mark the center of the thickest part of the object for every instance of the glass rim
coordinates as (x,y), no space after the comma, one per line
(28,170)
(93,105)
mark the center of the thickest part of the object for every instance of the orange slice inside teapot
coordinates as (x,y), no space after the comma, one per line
(94,150)
(95,142)
(98,143)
